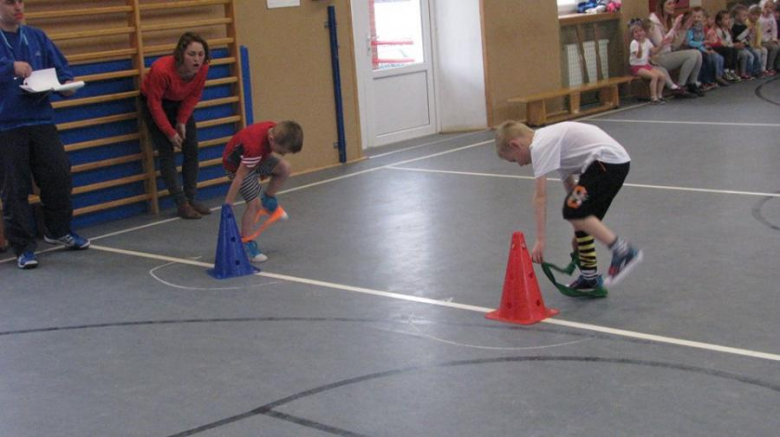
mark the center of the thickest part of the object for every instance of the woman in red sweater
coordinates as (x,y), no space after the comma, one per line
(170,91)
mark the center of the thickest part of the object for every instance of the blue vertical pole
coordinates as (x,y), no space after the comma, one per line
(247,77)
(334,60)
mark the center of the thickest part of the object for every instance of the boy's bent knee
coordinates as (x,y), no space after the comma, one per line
(282,169)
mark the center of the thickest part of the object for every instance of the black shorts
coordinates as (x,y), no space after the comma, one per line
(595,190)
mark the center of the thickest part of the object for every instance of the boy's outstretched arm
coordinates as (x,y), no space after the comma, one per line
(540,212)
(279,175)
(235,186)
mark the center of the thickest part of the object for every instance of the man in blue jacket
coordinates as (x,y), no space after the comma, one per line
(30,146)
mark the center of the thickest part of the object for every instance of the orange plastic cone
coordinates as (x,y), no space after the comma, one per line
(521,301)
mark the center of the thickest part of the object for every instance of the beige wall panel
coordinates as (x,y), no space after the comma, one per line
(521,52)
(289,52)
(713,6)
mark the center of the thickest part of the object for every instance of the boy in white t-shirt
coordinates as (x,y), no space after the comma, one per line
(602,165)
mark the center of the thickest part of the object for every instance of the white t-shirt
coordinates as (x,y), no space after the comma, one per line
(645,58)
(571,147)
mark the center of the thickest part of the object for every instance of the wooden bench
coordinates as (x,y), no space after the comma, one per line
(536,105)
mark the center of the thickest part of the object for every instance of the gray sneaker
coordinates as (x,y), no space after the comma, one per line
(622,265)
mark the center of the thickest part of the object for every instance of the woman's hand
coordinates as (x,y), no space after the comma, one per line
(688,22)
(678,21)
(177,141)
(181,128)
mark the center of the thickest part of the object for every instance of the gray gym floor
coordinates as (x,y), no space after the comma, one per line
(368,318)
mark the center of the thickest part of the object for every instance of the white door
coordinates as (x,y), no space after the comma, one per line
(395,70)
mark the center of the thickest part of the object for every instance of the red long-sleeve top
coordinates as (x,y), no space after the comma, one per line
(163,82)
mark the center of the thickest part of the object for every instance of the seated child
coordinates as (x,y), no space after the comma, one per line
(754,14)
(696,38)
(641,50)
(249,157)
(719,38)
(602,165)
(749,60)
(769,35)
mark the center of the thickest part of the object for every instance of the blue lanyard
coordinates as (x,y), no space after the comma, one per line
(22,37)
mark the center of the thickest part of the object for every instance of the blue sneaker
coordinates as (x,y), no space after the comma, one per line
(71,241)
(587,284)
(253,252)
(27,260)
(622,265)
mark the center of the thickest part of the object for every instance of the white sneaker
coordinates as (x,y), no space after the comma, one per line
(253,252)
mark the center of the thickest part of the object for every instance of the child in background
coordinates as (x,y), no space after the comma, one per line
(249,157)
(749,60)
(695,38)
(777,16)
(754,26)
(602,165)
(641,49)
(769,34)
(719,37)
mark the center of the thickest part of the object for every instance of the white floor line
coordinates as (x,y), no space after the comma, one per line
(314,184)
(338,178)
(530,178)
(138,228)
(181,287)
(478,309)
(443,140)
(696,123)
(614,111)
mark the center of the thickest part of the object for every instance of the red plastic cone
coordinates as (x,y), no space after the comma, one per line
(521,301)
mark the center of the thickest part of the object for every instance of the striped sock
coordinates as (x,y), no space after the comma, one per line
(586,248)
(619,247)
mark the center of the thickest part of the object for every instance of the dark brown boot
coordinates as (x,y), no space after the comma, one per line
(201,208)
(187,212)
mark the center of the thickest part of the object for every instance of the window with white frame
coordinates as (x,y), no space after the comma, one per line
(567,6)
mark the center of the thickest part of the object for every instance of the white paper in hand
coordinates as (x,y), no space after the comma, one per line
(46,80)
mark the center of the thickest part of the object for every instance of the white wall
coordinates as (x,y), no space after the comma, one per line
(459,73)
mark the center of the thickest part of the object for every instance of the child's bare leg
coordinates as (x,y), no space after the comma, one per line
(624,256)
(279,175)
(661,82)
(595,227)
(667,78)
(248,219)
(648,75)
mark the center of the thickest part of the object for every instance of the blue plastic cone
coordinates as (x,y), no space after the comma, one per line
(231,260)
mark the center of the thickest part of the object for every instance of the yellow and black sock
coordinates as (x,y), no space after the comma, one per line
(586,248)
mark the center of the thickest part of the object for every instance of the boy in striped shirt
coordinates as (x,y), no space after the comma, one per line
(248,158)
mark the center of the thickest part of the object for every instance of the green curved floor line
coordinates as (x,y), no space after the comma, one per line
(569,269)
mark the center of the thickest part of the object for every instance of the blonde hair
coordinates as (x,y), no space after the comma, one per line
(508,131)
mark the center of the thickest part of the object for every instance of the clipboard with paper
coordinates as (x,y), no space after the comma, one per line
(41,81)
